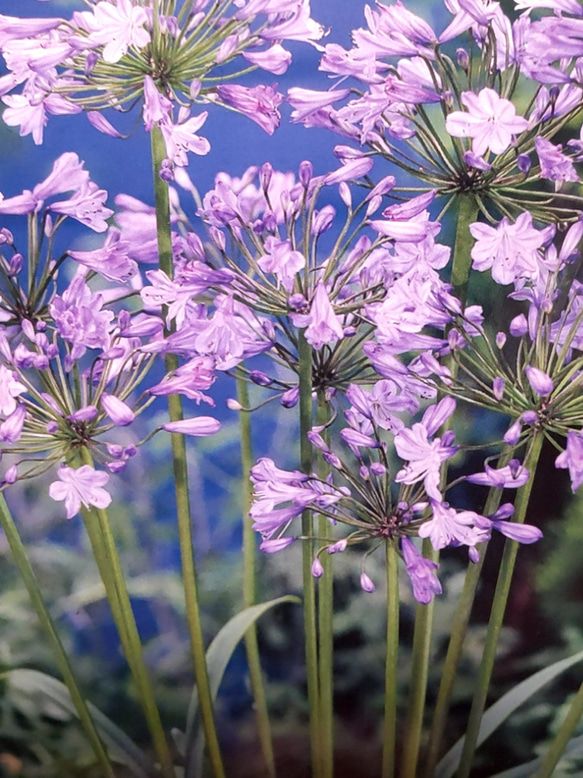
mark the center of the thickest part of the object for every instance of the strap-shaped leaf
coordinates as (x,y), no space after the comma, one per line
(120,747)
(501,710)
(217,657)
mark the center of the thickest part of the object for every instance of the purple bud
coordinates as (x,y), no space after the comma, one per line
(116,467)
(218,238)
(198,426)
(332,460)
(90,62)
(317,569)
(523,533)
(265,175)
(366,583)
(523,162)
(541,383)
(364,472)
(52,427)
(473,554)
(6,236)
(167,171)
(260,378)
(234,405)
(463,59)
(323,219)
(306,172)
(336,548)
(11,475)
(529,417)
(114,450)
(15,265)
(519,326)
(378,469)
(290,398)
(513,433)
(505,511)
(297,301)
(119,412)
(83,414)
(498,387)
(345,194)
(276,544)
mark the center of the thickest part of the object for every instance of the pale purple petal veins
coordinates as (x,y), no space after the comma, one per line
(83,486)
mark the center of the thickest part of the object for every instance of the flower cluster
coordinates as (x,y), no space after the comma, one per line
(165,55)
(451,121)
(73,359)
(378,507)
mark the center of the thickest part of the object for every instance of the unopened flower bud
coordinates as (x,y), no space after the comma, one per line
(290,398)
(498,387)
(6,236)
(513,434)
(529,417)
(15,265)
(336,548)
(523,163)
(306,172)
(540,382)
(119,412)
(265,175)
(317,569)
(260,378)
(463,59)
(519,326)
(501,339)
(366,583)
(11,475)
(345,194)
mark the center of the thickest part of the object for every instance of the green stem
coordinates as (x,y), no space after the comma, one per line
(249,596)
(109,565)
(557,747)
(34,591)
(497,614)
(458,631)
(460,269)
(419,676)
(181,481)
(305,403)
(325,620)
(391,665)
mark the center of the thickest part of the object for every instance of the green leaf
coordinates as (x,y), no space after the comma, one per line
(501,710)
(120,747)
(217,657)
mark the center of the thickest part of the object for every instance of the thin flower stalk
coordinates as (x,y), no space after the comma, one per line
(34,591)
(181,486)
(98,528)
(310,629)
(391,664)
(497,614)
(325,615)
(249,584)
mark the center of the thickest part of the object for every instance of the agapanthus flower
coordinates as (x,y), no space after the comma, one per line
(117,52)
(74,362)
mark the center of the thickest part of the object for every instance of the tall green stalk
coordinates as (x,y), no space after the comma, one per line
(181,481)
(35,593)
(391,664)
(325,619)
(249,595)
(458,629)
(497,613)
(108,563)
(460,274)
(419,676)
(310,632)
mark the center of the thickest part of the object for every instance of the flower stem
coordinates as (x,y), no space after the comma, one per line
(557,747)
(419,675)
(109,565)
(497,614)
(391,665)
(458,631)
(305,403)
(460,269)
(251,646)
(325,619)
(162,203)
(34,591)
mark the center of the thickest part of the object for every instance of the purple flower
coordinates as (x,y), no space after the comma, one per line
(553,163)
(323,326)
(522,533)
(421,572)
(572,458)
(80,487)
(366,583)
(119,412)
(490,121)
(512,476)
(260,103)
